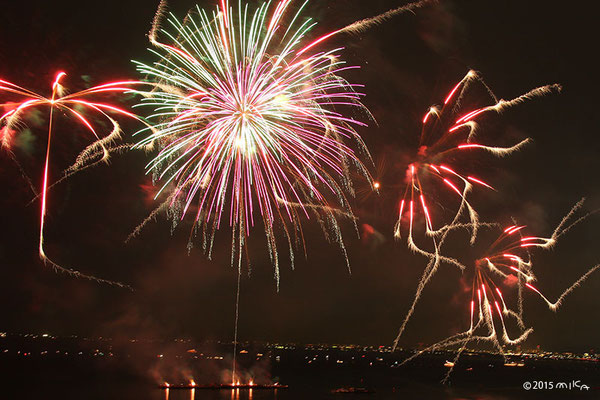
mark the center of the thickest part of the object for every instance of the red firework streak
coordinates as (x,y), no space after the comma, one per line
(506,259)
(69,105)
(447,130)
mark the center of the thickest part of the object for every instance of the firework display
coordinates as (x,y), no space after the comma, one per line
(449,132)
(254,131)
(71,105)
(246,125)
(505,267)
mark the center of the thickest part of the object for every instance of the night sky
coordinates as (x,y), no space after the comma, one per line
(407,64)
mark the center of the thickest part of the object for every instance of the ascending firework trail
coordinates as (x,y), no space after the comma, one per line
(246,124)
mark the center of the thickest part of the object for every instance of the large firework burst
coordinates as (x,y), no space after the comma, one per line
(247,124)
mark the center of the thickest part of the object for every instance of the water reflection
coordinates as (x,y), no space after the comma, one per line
(230,394)
(248,394)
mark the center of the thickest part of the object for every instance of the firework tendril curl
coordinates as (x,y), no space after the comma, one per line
(447,131)
(72,105)
(507,259)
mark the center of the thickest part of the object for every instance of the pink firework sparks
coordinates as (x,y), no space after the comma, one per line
(248,127)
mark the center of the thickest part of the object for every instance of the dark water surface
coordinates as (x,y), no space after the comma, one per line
(67,380)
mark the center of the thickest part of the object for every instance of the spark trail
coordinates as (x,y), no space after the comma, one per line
(506,260)
(367,23)
(433,178)
(250,124)
(246,126)
(71,105)
(447,132)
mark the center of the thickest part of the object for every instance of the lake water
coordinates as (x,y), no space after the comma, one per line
(477,377)
(67,385)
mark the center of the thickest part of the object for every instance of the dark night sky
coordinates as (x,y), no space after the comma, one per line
(407,64)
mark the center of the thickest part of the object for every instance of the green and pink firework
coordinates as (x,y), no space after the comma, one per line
(252,122)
